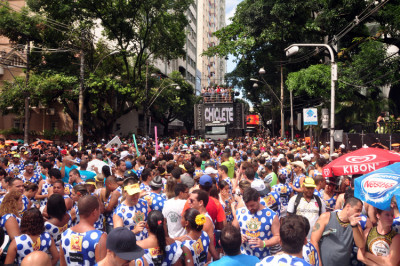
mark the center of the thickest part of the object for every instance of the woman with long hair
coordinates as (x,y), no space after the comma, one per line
(170,188)
(159,248)
(32,238)
(59,219)
(382,242)
(9,212)
(196,243)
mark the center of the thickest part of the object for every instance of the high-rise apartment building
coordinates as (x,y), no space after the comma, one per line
(205,17)
(187,65)
(210,18)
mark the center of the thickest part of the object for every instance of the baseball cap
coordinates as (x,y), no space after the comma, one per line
(122,242)
(124,154)
(156,182)
(128,165)
(130,173)
(132,189)
(260,186)
(206,180)
(210,170)
(309,182)
(187,180)
(331,181)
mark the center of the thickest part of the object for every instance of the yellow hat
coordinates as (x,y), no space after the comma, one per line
(132,189)
(183,167)
(309,182)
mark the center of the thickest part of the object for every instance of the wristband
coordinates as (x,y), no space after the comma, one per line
(264,243)
(353,226)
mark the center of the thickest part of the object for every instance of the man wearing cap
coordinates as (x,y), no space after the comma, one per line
(307,204)
(16,167)
(214,207)
(83,244)
(155,199)
(132,212)
(122,248)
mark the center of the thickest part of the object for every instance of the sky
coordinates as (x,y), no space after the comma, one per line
(230,8)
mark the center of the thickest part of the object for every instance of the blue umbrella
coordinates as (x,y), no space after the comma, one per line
(379,187)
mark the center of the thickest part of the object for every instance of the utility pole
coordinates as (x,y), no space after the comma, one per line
(26,111)
(282,98)
(145,108)
(81,88)
(291,115)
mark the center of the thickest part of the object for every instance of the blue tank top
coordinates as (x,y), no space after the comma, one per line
(79,248)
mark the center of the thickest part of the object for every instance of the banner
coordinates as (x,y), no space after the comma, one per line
(115,140)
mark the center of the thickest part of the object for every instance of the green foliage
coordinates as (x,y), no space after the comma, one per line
(11,131)
(53,134)
(172,103)
(114,84)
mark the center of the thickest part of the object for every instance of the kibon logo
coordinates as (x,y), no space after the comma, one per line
(360,159)
(377,187)
(327,172)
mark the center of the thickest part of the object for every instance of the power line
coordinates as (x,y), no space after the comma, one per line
(358,19)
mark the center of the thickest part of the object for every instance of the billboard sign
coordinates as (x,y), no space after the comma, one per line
(253,120)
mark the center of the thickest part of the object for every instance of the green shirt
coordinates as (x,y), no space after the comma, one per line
(230,164)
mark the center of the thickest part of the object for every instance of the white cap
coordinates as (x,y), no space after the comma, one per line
(209,170)
(307,158)
(365,146)
(124,154)
(342,146)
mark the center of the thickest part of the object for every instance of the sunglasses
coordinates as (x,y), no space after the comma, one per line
(191,200)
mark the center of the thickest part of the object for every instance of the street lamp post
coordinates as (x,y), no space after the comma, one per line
(154,98)
(294,48)
(280,100)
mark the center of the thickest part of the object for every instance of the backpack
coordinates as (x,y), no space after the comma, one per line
(298,198)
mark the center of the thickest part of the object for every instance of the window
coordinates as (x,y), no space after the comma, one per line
(17,123)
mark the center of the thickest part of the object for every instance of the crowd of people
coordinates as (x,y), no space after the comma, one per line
(243,201)
(217,94)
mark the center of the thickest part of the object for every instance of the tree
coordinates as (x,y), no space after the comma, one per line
(260,30)
(357,92)
(173,103)
(139,30)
